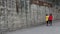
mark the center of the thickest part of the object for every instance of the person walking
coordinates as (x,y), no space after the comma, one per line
(50,19)
(47,19)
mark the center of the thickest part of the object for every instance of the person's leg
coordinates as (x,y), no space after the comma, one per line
(51,22)
(47,23)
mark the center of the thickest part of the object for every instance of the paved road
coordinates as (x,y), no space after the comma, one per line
(55,29)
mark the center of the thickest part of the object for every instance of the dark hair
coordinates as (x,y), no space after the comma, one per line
(50,14)
(46,14)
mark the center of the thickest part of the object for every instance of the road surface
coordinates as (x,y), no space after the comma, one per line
(54,29)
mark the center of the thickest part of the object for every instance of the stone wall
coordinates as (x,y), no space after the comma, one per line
(34,15)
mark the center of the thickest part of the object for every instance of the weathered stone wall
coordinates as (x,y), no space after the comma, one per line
(34,15)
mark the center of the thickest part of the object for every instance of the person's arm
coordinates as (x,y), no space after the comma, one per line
(52,17)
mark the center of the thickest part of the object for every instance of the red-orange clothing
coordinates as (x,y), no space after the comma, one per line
(50,17)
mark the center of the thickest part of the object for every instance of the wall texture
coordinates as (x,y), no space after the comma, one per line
(29,15)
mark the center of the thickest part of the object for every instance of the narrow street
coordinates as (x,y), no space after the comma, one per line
(54,29)
(18,14)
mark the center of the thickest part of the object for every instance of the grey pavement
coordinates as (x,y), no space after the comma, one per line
(54,29)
